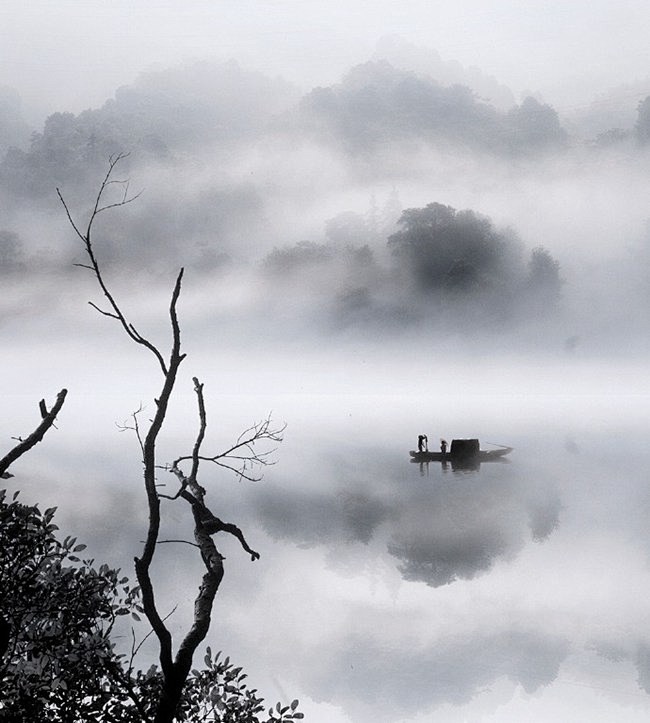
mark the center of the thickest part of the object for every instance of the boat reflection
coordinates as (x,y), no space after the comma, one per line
(456,465)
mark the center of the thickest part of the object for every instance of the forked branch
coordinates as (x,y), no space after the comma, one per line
(86,238)
(243,455)
(48,418)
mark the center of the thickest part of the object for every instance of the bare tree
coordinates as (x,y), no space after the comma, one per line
(48,418)
(243,457)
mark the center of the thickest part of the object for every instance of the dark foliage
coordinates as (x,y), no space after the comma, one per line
(455,258)
(60,663)
(444,249)
(58,660)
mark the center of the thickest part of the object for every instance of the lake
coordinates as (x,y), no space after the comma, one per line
(387,591)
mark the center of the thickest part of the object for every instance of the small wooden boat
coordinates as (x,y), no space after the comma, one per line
(463,450)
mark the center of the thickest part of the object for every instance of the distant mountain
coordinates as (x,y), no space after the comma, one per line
(426,61)
(178,110)
(377,103)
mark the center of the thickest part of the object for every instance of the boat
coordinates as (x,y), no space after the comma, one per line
(461,451)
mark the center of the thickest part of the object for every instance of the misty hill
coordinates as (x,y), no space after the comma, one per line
(427,61)
(376,103)
(161,115)
(182,114)
(188,109)
(406,97)
(444,268)
(235,164)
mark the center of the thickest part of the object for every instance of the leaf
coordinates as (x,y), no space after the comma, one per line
(135,616)
(79,548)
(294,704)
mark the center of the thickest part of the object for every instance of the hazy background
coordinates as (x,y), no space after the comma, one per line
(277,146)
(71,56)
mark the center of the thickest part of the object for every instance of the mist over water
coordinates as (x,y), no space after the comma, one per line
(520,586)
(396,244)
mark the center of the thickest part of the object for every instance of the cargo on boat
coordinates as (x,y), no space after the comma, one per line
(462,450)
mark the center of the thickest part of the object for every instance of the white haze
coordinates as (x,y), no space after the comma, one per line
(70,56)
(383,594)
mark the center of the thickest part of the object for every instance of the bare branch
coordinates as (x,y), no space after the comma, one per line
(198,388)
(243,455)
(239,472)
(148,635)
(135,427)
(47,421)
(124,200)
(101,311)
(116,312)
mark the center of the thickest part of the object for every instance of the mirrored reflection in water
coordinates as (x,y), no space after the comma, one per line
(437,522)
(521,584)
(387,591)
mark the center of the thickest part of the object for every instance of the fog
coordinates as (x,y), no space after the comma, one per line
(392,221)
(67,57)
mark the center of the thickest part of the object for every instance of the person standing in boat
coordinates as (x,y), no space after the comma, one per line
(423,443)
(443,446)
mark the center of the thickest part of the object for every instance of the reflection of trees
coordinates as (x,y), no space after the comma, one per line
(436,529)
(328,519)
(440,559)
(457,531)
(450,528)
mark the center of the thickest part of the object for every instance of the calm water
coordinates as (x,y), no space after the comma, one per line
(384,592)
(391,592)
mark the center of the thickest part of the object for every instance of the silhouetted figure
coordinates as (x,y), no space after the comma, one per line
(423,443)
(443,446)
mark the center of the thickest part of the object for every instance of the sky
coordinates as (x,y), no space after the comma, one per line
(70,55)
